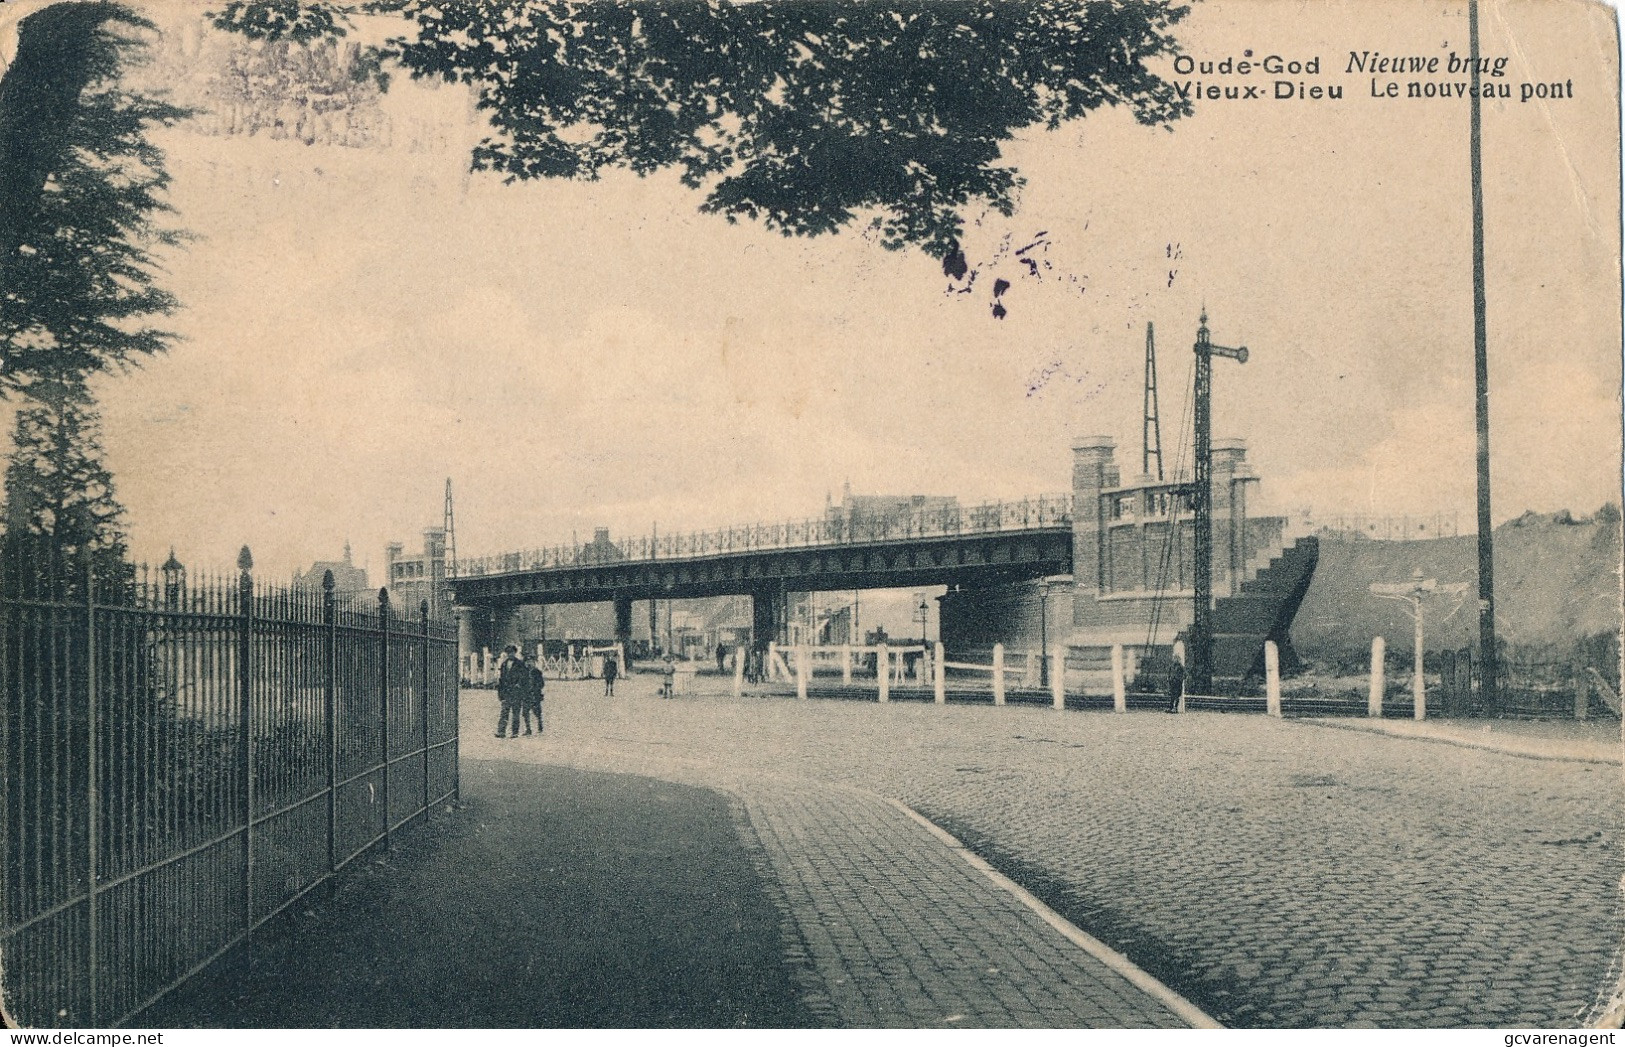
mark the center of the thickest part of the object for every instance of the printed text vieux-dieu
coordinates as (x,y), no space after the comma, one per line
(1274,77)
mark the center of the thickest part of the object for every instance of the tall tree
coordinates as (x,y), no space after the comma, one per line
(804,114)
(80,186)
(59,494)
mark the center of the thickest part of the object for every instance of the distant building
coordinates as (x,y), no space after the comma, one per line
(348,579)
(601,549)
(414,579)
(860,513)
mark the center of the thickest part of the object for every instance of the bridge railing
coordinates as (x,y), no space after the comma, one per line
(1043,511)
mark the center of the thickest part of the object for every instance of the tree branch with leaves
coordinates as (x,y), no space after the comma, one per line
(805,116)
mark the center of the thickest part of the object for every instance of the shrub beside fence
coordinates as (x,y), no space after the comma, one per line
(183,762)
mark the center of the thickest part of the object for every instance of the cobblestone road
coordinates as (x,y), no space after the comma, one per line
(904,933)
(1275,873)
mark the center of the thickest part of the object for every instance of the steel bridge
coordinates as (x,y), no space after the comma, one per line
(975,545)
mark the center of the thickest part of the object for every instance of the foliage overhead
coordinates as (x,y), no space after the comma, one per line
(79,186)
(802,114)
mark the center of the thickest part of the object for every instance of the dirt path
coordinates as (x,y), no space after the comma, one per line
(555,898)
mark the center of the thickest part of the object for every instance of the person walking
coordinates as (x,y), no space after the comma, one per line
(510,690)
(722,658)
(535,682)
(611,670)
(1176,686)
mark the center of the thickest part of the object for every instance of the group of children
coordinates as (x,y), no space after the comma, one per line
(519,688)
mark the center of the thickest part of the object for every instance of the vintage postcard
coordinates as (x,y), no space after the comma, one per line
(1058,514)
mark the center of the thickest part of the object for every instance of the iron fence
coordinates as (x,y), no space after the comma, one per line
(936,522)
(183,762)
(1536,683)
(1389,528)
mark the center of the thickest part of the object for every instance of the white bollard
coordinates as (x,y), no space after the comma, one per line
(1057,679)
(1373,702)
(773,660)
(998,674)
(739,671)
(846,665)
(1272,678)
(939,674)
(1119,685)
(883,671)
(803,670)
(1418,685)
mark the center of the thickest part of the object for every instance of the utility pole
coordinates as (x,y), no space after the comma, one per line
(1489,668)
(445,597)
(450,523)
(1151,431)
(1200,648)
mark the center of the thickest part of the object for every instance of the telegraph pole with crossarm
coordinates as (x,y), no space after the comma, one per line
(1200,647)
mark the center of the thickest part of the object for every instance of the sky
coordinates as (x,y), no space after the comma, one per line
(361,324)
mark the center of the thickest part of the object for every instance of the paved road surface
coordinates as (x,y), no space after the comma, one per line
(553,898)
(1275,873)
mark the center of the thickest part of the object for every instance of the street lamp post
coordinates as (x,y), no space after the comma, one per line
(1411,593)
(174,574)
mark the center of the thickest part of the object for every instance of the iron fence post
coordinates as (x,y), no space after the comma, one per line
(383,704)
(92,790)
(331,705)
(245,733)
(423,609)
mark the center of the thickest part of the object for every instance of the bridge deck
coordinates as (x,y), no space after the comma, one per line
(1000,542)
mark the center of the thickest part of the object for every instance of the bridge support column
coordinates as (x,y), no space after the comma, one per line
(499,628)
(623,628)
(482,629)
(765,605)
